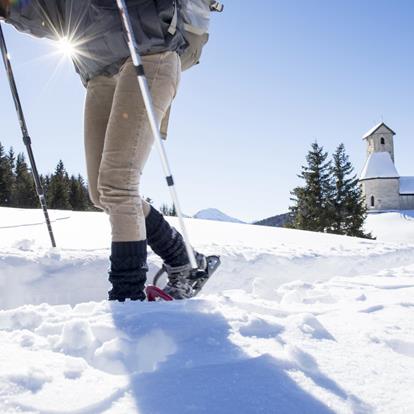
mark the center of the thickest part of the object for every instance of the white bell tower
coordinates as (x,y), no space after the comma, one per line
(380,139)
(379,179)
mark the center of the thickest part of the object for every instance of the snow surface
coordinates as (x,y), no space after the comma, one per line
(293,322)
(216,215)
(379,165)
(396,226)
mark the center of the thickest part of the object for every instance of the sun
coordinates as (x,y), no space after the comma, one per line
(67,47)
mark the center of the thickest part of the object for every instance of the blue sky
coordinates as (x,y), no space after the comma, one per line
(275,76)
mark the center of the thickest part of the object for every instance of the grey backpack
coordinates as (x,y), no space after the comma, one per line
(194,18)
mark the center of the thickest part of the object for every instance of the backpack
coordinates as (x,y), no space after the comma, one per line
(193,17)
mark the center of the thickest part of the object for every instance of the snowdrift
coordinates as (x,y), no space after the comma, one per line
(294,322)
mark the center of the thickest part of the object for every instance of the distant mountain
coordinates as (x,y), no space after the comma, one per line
(276,221)
(216,215)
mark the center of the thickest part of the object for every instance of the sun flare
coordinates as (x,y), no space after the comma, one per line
(67,47)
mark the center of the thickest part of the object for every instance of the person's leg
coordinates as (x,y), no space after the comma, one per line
(127,146)
(98,105)
(168,243)
(164,240)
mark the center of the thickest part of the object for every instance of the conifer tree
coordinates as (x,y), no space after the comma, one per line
(77,195)
(24,194)
(58,189)
(89,205)
(11,158)
(349,207)
(6,178)
(166,210)
(312,209)
(45,182)
(3,179)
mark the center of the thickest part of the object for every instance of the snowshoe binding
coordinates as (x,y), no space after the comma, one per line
(185,282)
(155,294)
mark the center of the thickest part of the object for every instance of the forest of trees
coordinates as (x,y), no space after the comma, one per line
(331,199)
(63,192)
(17,188)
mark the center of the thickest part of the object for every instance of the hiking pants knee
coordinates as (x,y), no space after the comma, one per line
(118,138)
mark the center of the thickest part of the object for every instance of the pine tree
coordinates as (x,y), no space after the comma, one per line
(24,194)
(11,158)
(77,195)
(6,178)
(349,207)
(90,206)
(45,182)
(166,210)
(173,211)
(58,189)
(313,207)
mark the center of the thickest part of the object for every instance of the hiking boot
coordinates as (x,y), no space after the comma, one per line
(182,278)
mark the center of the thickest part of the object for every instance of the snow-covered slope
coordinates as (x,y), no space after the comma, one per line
(395,226)
(216,215)
(294,322)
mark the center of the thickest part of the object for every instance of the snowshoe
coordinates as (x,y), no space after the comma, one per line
(155,294)
(185,282)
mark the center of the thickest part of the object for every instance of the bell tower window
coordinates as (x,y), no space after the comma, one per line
(382,141)
(372,201)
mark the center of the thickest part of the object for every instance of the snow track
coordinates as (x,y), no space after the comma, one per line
(294,322)
(75,276)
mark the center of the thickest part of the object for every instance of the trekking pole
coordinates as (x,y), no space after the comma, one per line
(26,137)
(143,84)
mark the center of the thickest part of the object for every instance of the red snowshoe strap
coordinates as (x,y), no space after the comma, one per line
(154,293)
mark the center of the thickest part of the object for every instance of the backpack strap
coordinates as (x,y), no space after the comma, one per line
(193,29)
(173,26)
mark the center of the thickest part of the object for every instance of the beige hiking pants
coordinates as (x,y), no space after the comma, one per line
(118,139)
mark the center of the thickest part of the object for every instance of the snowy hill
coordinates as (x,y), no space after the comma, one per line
(393,226)
(294,322)
(215,215)
(275,221)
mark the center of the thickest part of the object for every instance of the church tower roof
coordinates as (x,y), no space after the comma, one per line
(376,128)
(379,165)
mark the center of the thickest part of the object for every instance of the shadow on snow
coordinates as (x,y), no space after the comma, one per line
(184,362)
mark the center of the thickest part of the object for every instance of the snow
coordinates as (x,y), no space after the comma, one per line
(395,227)
(216,215)
(376,128)
(293,322)
(406,185)
(379,165)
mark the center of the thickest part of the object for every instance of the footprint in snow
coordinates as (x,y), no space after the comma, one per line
(372,309)
(33,379)
(311,326)
(261,329)
(401,347)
